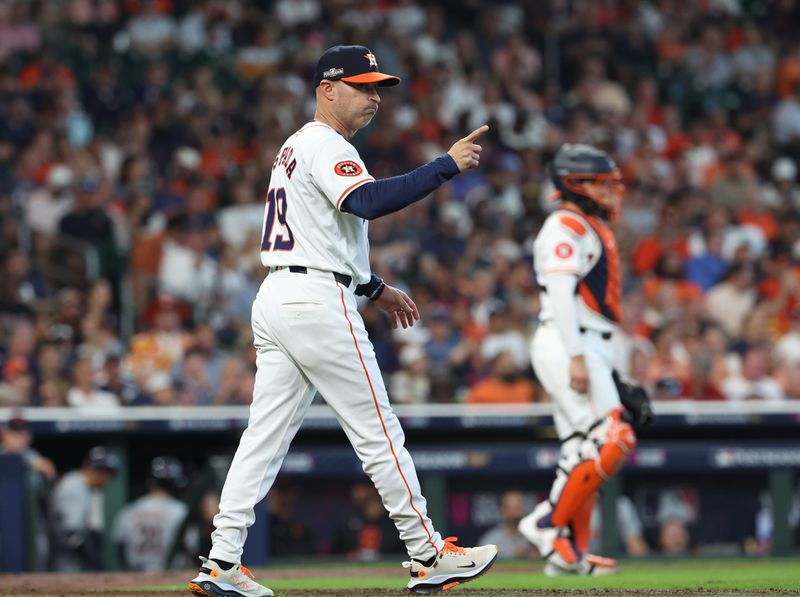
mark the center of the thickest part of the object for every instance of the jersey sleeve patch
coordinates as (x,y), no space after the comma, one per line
(348,168)
(573,225)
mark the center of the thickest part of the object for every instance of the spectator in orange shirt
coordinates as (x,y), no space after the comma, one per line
(46,69)
(668,281)
(755,213)
(505,384)
(16,385)
(670,236)
(788,73)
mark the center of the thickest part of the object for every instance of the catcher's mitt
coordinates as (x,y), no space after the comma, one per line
(638,408)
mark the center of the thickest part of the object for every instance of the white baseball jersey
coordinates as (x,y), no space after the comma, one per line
(147,529)
(313,173)
(584,245)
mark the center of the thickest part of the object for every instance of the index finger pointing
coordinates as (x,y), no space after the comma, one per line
(477,133)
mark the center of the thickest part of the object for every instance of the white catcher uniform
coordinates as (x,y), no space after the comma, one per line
(577,265)
(310,337)
(147,529)
(575,244)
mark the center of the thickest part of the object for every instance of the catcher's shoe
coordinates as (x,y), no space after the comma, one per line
(557,547)
(537,528)
(599,565)
(213,581)
(564,557)
(451,567)
(590,565)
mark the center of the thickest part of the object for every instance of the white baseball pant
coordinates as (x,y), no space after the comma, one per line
(310,337)
(580,419)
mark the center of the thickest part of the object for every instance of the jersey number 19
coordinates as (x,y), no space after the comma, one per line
(276,205)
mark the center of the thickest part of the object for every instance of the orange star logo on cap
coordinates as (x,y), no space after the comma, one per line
(372,60)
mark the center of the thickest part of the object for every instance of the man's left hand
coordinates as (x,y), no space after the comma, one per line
(401,309)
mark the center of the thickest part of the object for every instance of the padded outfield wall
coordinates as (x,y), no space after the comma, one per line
(726,461)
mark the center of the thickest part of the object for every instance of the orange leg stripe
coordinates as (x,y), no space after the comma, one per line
(383,424)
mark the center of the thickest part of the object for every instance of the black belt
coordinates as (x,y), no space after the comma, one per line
(343,279)
(603,335)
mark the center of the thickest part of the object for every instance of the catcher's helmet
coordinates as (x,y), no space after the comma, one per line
(167,472)
(588,177)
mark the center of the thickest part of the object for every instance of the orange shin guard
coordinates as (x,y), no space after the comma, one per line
(587,476)
(581,524)
(583,481)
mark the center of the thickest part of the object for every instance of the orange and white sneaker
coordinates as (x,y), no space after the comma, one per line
(564,557)
(599,565)
(213,581)
(557,547)
(566,560)
(451,567)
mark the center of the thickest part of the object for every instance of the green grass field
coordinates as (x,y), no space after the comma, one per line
(686,577)
(665,578)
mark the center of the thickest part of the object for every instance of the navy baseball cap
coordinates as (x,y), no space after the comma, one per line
(101,459)
(352,64)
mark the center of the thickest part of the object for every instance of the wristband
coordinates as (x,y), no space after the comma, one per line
(378,292)
(370,287)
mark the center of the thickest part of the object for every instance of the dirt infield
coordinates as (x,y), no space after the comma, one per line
(98,583)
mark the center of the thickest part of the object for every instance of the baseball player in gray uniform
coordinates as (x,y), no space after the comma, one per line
(310,336)
(78,513)
(145,530)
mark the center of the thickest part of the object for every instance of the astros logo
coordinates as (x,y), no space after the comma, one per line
(347,168)
(372,60)
(564,250)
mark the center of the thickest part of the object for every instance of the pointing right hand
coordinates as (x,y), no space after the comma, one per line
(465,152)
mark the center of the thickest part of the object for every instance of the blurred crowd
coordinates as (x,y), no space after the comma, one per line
(137,137)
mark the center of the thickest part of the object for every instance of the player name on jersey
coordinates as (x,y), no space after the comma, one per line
(285,159)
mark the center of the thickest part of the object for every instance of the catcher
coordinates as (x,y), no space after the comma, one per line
(577,266)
